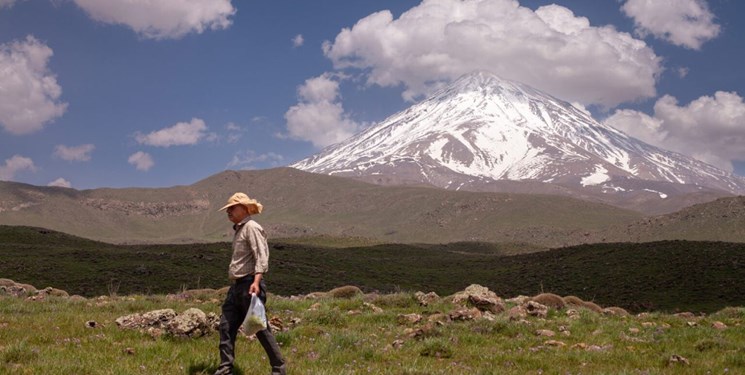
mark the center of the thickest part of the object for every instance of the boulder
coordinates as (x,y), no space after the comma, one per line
(426,299)
(190,323)
(480,297)
(536,309)
(517,313)
(464,314)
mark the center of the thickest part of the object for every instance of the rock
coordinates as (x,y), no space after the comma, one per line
(438,318)
(555,343)
(692,324)
(480,297)
(154,332)
(409,318)
(517,313)
(633,330)
(465,314)
(277,325)
(573,314)
(545,333)
(719,325)
(519,300)
(685,315)
(598,348)
(91,324)
(426,299)
(155,318)
(579,345)
(397,343)
(676,359)
(191,323)
(314,307)
(373,308)
(615,311)
(315,295)
(213,321)
(54,292)
(649,324)
(536,309)
(129,351)
(423,331)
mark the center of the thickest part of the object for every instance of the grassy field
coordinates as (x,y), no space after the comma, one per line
(660,276)
(51,337)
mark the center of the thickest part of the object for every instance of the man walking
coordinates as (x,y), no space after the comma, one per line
(249,263)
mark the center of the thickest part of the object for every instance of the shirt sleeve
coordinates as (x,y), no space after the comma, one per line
(260,249)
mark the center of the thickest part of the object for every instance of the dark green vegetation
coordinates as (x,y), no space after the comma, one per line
(669,275)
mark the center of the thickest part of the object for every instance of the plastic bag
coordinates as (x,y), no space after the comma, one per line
(256,318)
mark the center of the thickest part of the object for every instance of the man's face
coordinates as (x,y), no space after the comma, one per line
(237,213)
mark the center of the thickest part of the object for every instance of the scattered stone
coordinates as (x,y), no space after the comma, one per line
(426,299)
(354,312)
(315,295)
(579,345)
(129,351)
(692,324)
(598,348)
(545,333)
(91,324)
(634,330)
(649,324)
(573,314)
(397,344)
(685,315)
(465,314)
(536,309)
(615,311)
(643,315)
(373,308)
(676,359)
(719,325)
(438,318)
(277,325)
(409,318)
(493,305)
(555,343)
(154,332)
(517,313)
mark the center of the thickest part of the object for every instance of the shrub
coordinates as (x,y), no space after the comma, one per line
(592,306)
(347,291)
(550,300)
(573,301)
(615,311)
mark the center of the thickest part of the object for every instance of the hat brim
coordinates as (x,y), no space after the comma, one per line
(253,208)
(228,205)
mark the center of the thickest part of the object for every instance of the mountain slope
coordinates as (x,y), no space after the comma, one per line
(298,203)
(483,129)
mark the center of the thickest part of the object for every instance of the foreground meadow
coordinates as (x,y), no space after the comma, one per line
(368,334)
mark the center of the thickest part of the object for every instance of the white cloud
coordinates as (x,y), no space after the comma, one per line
(15,164)
(141,160)
(183,133)
(60,182)
(78,153)
(6,3)
(687,23)
(683,72)
(248,159)
(29,93)
(711,129)
(162,19)
(298,40)
(549,48)
(319,116)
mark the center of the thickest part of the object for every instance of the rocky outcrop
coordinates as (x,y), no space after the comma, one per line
(480,297)
(191,323)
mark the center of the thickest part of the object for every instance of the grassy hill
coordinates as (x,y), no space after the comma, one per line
(669,275)
(301,204)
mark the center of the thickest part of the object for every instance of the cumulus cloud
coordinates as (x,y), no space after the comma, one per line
(183,133)
(710,128)
(162,19)
(549,48)
(687,23)
(15,164)
(319,116)
(77,153)
(298,40)
(60,182)
(29,93)
(248,159)
(141,160)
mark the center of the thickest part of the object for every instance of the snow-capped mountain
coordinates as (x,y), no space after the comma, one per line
(486,129)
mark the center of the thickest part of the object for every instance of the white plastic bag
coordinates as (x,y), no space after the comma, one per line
(256,318)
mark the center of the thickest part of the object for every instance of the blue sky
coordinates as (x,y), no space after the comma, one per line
(108,94)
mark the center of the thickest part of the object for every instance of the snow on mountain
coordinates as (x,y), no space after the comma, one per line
(485,128)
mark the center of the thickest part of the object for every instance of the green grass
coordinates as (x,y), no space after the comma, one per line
(658,276)
(50,337)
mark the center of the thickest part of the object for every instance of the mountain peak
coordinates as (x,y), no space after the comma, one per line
(482,128)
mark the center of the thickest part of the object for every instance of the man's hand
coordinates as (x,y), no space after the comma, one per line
(254,288)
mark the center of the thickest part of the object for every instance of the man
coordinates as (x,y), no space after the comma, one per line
(249,264)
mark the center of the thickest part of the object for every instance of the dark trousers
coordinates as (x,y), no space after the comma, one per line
(234,311)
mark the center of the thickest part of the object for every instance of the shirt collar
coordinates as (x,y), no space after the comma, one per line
(242,223)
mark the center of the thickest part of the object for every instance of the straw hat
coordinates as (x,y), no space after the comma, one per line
(253,206)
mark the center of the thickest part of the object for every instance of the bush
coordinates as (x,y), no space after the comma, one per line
(550,300)
(347,291)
